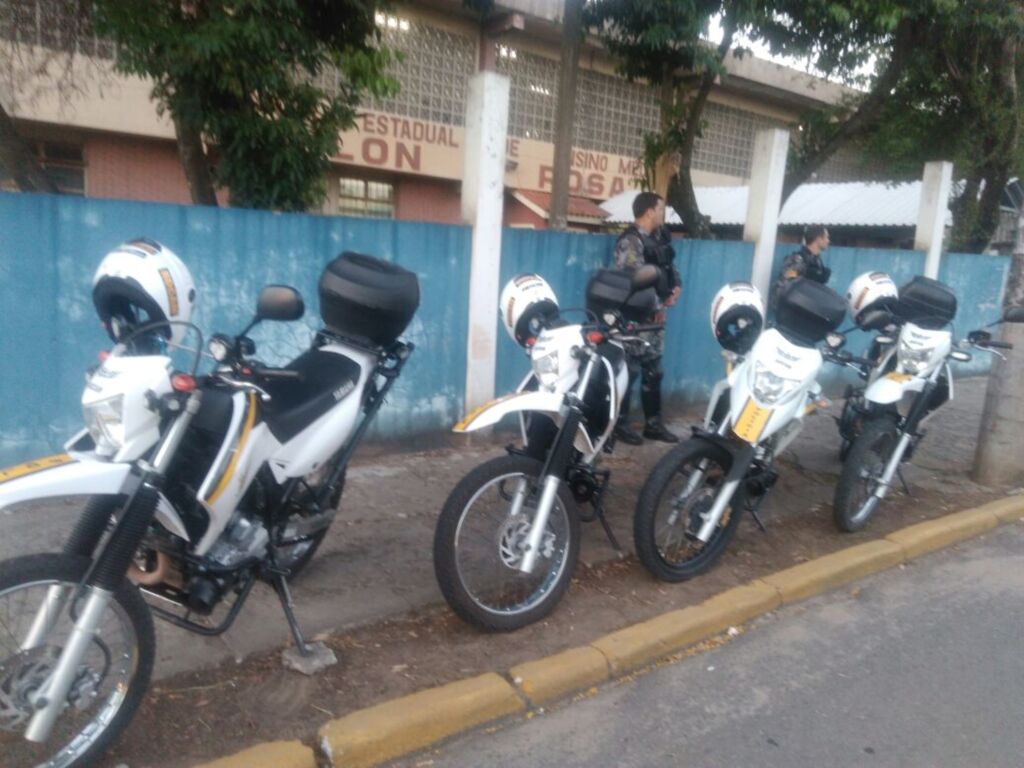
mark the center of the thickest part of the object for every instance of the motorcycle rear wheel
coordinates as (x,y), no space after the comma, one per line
(100,709)
(477,546)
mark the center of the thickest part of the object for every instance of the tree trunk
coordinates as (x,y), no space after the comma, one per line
(17,159)
(1001,438)
(867,114)
(572,42)
(195,163)
(681,194)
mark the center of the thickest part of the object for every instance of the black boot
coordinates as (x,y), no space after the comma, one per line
(654,429)
(626,435)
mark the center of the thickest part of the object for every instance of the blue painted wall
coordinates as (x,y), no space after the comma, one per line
(49,334)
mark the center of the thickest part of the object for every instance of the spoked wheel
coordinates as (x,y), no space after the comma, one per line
(672,508)
(112,676)
(854,501)
(481,538)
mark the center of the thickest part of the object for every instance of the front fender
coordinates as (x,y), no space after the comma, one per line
(65,475)
(491,413)
(892,387)
(61,475)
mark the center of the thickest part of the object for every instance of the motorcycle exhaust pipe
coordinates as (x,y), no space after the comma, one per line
(158,575)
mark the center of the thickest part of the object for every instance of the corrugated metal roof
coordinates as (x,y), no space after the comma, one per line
(850,204)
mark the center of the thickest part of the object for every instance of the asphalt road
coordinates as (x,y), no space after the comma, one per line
(919,666)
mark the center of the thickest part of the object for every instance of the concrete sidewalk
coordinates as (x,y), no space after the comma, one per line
(376,562)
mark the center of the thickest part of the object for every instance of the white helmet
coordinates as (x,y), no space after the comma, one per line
(871,290)
(526,301)
(142,282)
(737,316)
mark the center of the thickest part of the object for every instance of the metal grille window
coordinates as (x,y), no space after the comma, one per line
(727,143)
(54,24)
(612,114)
(434,74)
(372,199)
(533,93)
(850,164)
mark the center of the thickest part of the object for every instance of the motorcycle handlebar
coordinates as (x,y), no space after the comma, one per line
(995,344)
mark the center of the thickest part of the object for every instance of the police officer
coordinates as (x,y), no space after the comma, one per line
(806,262)
(647,241)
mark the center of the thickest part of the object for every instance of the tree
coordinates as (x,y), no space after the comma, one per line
(661,41)
(572,42)
(244,81)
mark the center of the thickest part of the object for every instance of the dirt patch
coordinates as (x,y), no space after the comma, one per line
(198,716)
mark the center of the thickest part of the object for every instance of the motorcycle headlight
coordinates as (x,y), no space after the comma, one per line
(546,368)
(914,360)
(769,387)
(104,420)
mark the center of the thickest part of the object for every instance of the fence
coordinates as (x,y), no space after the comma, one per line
(50,246)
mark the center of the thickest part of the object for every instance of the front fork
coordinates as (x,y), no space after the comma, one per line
(554,470)
(910,424)
(100,584)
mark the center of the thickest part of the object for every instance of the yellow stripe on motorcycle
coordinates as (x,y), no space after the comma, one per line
(34,466)
(752,421)
(899,378)
(464,424)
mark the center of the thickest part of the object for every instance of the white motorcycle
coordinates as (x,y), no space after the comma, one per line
(199,486)
(916,380)
(508,537)
(690,505)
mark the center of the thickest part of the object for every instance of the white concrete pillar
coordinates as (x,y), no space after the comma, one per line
(764,201)
(931,214)
(483,199)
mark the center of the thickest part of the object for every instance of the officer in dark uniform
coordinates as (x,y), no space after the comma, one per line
(806,262)
(647,241)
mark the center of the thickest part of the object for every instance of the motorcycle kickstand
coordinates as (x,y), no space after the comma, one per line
(307,658)
(598,504)
(757,517)
(906,488)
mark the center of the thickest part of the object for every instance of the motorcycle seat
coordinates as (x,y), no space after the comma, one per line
(327,378)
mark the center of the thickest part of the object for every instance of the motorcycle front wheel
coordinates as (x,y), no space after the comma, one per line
(678,493)
(479,544)
(113,674)
(854,502)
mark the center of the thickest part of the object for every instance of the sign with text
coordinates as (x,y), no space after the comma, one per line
(406,145)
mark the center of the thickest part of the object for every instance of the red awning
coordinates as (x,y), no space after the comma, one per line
(580,208)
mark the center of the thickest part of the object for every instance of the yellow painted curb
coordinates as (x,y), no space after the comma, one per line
(927,537)
(370,736)
(661,636)
(830,571)
(273,754)
(1008,510)
(555,676)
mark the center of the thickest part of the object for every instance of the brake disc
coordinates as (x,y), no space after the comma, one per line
(21,678)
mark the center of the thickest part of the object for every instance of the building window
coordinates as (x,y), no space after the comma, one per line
(434,71)
(373,199)
(533,93)
(53,24)
(726,143)
(62,163)
(613,114)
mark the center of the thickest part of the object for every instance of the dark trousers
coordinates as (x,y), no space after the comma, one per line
(648,369)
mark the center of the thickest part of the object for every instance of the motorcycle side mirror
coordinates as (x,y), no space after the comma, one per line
(1013,315)
(835,341)
(645,277)
(885,341)
(279,302)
